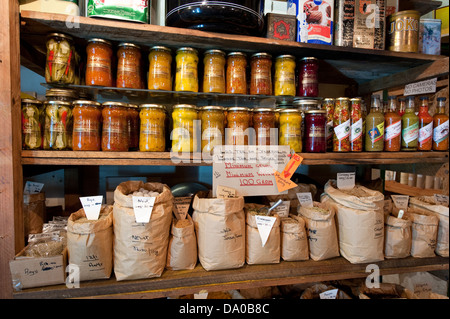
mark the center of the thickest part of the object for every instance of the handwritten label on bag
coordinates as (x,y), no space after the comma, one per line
(423,290)
(346,180)
(265,224)
(181,206)
(401,201)
(441,199)
(143,207)
(225,192)
(282,210)
(32,188)
(92,206)
(330,294)
(305,199)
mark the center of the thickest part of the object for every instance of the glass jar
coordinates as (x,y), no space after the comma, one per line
(65,95)
(356,125)
(214,71)
(58,125)
(60,65)
(315,126)
(410,127)
(374,141)
(305,104)
(425,126)
(186,77)
(99,63)
(440,124)
(284,82)
(290,129)
(238,121)
(213,127)
(263,121)
(152,137)
(183,139)
(341,125)
(393,123)
(308,78)
(87,124)
(261,74)
(129,66)
(133,127)
(31,124)
(236,73)
(328,105)
(160,69)
(115,127)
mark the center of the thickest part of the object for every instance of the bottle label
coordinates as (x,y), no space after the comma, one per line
(393,131)
(411,133)
(343,130)
(425,133)
(441,132)
(357,129)
(377,133)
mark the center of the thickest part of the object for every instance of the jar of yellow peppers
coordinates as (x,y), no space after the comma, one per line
(290,129)
(152,129)
(284,82)
(186,77)
(160,69)
(213,127)
(183,117)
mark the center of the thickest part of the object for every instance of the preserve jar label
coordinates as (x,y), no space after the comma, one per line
(343,130)
(440,132)
(425,133)
(393,131)
(411,133)
(356,131)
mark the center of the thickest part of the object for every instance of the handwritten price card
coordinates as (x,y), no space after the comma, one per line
(143,207)
(32,188)
(92,206)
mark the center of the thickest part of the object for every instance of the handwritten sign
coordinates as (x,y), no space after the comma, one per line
(292,166)
(330,294)
(282,210)
(441,199)
(401,201)
(422,87)
(423,290)
(181,206)
(305,199)
(264,224)
(92,206)
(143,207)
(283,184)
(32,188)
(346,180)
(225,192)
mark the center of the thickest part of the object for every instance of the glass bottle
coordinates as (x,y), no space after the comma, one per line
(440,123)
(402,106)
(410,127)
(341,125)
(393,122)
(375,127)
(356,130)
(214,71)
(425,126)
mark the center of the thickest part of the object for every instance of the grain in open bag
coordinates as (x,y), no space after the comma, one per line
(294,240)
(182,250)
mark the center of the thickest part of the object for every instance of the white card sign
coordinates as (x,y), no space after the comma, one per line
(305,199)
(422,87)
(346,180)
(32,188)
(143,207)
(330,294)
(264,224)
(92,206)
(282,210)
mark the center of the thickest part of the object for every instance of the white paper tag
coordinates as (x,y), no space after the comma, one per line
(225,192)
(346,180)
(265,224)
(401,201)
(92,206)
(441,199)
(201,295)
(32,188)
(330,294)
(305,199)
(143,207)
(282,210)
(181,206)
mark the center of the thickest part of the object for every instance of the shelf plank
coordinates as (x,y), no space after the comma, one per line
(174,283)
(394,187)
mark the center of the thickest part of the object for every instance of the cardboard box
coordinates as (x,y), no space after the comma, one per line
(281,26)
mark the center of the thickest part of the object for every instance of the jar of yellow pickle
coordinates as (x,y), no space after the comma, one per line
(213,127)
(284,81)
(183,117)
(186,77)
(160,69)
(238,121)
(152,133)
(290,129)
(214,71)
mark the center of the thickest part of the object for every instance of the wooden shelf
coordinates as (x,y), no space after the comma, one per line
(164,158)
(394,187)
(175,283)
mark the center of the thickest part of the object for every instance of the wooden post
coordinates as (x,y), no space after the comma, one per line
(11,219)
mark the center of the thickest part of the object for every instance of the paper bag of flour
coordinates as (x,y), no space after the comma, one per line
(294,240)
(425,228)
(182,251)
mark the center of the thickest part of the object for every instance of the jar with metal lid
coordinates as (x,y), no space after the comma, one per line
(133,127)
(214,71)
(65,95)
(183,116)
(341,125)
(58,125)
(31,124)
(236,77)
(284,80)
(315,126)
(115,127)
(152,128)
(238,122)
(186,77)
(87,124)
(99,63)
(308,78)
(261,74)
(328,105)
(305,104)
(160,69)
(129,66)
(61,61)
(356,125)
(213,127)
(263,121)
(290,129)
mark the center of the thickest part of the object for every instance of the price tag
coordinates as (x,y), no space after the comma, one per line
(225,192)
(283,184)
(305,199)
(92,206)
(441,199)
(330,294)
(32,188)
(401,201)
(282,210)
(265,224)
(346,180)
(181,206)
(143,207)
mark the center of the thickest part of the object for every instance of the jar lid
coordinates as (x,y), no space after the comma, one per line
(133,106)
(153,106)
(285,56)
(328,99)
(212,108)
(237,53)
(342,99)
(263,109)
(215,51)
(58,102)
(31,101)
(306,101)
(238,108)
(60,35)
(100,41)
(290,111)
(262,55)
(315,111)
(161,48)
(185,106)
(61,92)
(357,99)
(127,44)
(113,103)
(442,98)
(187,49)
(83,102)
(309,58)
(424,98)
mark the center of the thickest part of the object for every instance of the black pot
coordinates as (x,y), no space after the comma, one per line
(235,17)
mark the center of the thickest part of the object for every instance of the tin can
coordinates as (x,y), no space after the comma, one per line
(403,31)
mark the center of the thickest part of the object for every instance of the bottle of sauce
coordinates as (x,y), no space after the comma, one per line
(375,126)
(402,106)
(410,127)
(393,122)
(356,128)
(440,123)
(342,125)
(425,126)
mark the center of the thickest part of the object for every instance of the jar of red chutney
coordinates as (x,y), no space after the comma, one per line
(315,126)
(308,78)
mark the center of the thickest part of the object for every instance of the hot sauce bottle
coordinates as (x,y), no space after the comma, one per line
(425,126)
(440,123)
(393,122)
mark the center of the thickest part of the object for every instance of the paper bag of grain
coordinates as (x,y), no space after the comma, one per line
(398,237)
(90,243)
(182,251)
(140,249)
(294,240)
(220,228)
(321,231)
(291,196)
(425,228)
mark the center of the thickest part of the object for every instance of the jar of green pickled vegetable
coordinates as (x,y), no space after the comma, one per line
(31,124)
(61,59)
(58,125)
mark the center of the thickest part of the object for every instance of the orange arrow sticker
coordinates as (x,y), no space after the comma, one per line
(283,183)
(292,166)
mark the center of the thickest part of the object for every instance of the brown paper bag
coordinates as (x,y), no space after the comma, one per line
(182,251)
(140,249)
(220,228)
(292,196)
(424,233)
(33,213)
(398,237)
(294,241)
(90,243)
